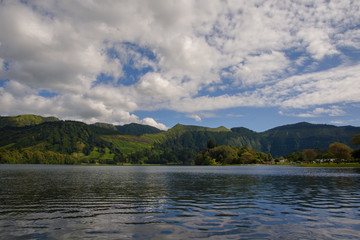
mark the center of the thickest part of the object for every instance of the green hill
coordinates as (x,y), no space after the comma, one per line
(186,128)
(28,138)
(24,120)
(59,136)
(286,139)
(137,129)
(132,128)
(105,125)
(180,129)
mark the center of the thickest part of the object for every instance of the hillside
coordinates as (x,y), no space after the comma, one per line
(137,129)
(132,128)
(289,138)
(24,120)
(71,141)
(26,138)
(59,136)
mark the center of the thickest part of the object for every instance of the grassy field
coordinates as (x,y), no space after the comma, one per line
(329,165)
(333,165)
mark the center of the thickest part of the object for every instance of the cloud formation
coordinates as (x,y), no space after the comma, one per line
(105,60)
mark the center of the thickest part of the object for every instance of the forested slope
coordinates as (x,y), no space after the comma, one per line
(26,138)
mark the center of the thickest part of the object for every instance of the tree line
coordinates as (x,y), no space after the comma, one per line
(225,155)
(336,152)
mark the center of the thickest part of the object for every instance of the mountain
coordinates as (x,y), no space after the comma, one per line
(28,138)
(245,137)
(278,141)
(137,129)
(286,139)
(132,128)
(58,136)
(24,120)
(105,125)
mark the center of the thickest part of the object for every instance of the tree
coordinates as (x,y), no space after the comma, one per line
(293,157)
(224,154)
(247,157)
(355,140)
(309,155)
(217,155)
(211,144)
(340,151)
(356,154)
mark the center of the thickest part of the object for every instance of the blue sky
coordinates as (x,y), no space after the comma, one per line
(256,64)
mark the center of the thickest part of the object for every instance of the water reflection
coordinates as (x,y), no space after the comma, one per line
(38,201)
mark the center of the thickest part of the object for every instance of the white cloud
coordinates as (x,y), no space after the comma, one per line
(152,122)
(112,97)
(317,42)
(195,117)
(260,68)
(73,107)
(339,85)
(337,122)
(2,61)
(156,87)
(206,103)
(17,89)
(332,111)
(238,52)
(351,38)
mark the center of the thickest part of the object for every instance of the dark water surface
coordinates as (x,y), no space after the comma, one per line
(139,202)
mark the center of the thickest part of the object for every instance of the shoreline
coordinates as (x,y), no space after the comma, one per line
(323,165)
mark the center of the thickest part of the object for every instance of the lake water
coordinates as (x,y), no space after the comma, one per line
(175,202)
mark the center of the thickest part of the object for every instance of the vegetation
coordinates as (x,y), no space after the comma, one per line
(225,155)
(24,120)
(309,155)
(336,153)
(330,165)
(35,139)
(340,151)
(289,138)
(355,140)
(137,129)
(35,157)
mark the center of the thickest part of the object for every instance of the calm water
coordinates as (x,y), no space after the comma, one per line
(127,202)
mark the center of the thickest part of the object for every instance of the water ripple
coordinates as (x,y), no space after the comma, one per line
(50,202)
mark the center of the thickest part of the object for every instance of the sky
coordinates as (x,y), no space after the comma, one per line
(233,63)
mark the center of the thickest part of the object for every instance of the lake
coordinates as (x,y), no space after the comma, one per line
(178,202)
